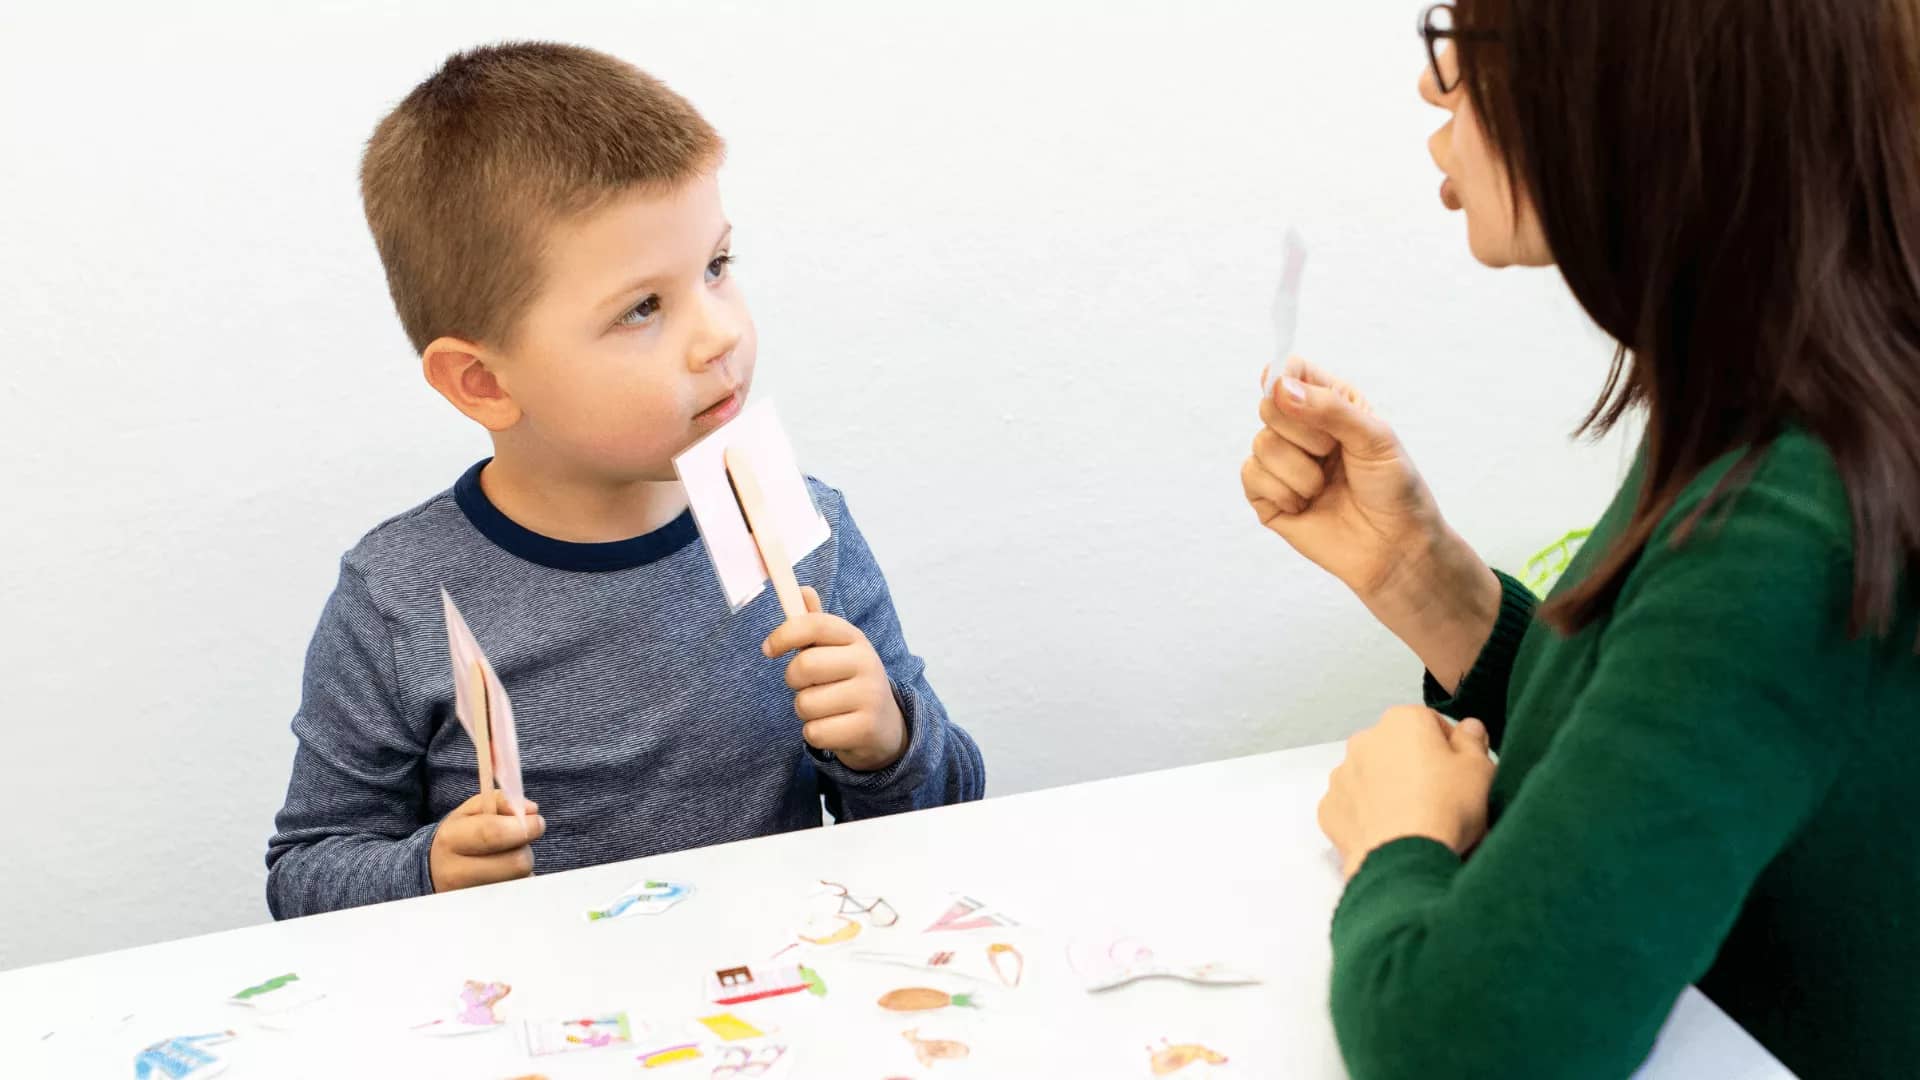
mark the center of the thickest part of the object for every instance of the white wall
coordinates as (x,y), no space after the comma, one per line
(1010,261)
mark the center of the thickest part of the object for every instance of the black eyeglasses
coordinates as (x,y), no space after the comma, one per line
(1436,26)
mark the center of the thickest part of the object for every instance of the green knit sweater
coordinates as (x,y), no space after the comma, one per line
(1712,784)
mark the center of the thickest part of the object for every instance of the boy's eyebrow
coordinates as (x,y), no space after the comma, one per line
(633,287)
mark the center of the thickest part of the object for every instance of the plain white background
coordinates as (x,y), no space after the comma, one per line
(1010,262)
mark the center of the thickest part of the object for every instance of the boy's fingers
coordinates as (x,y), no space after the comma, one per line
(833,732)
(490,802)
(812,599)
(809,630)
(494,833)
(822,702)
(820,666)
(487,869)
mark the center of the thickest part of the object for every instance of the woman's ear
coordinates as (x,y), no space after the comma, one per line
(462,372)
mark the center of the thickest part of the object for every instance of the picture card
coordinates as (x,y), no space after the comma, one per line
(1286,305)
(1105,964)
(544,1037)
(278,994)
(702,468)
(733,986)
(502,737)
(642,898)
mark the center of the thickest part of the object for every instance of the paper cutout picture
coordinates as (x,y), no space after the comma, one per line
(480,704)
(643,898)
(1103,965)
(998,962)
(1286,305)
(966,913)
(1169,1059)
(732,986)
(278,994)
(668,1054)
(758,1061)
(834,916)
(925,999)
(929,1051)
(666,1045)
(183,1057)
(474,1012)
(545,1037)
(730,1028)
(793,524)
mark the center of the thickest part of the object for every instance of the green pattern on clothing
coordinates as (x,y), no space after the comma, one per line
(1545,569)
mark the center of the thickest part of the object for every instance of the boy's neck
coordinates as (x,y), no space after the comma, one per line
(576,509)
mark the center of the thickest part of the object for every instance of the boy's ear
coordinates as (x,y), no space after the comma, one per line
(459,370)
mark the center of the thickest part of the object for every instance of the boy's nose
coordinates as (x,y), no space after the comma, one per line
(720,332)
(713,350)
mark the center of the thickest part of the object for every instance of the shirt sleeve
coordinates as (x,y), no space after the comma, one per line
(942,764)
(354,829)
(1482,693)
(1709,732)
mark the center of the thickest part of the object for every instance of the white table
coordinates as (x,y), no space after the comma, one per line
(1220,861)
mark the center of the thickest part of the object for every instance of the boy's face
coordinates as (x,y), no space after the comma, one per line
(639,342)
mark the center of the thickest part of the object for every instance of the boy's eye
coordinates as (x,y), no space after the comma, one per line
(717,269)
(641,312)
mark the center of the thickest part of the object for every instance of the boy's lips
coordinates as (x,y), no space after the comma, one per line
(722,411)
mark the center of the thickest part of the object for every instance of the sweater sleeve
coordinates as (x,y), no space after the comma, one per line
(1710,729)
(1482,693)
(942,765)
(354,828)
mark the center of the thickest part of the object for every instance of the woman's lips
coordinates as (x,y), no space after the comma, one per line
(1448,198)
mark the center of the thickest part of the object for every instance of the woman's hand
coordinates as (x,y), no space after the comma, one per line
(1411,774)
(1332,479)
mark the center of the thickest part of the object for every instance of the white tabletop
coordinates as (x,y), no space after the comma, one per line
(1213,862)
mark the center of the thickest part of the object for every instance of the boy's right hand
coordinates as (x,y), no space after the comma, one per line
(483,841)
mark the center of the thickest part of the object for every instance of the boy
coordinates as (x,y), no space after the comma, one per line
(554,241)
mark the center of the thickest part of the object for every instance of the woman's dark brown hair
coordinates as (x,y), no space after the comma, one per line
(1732,191)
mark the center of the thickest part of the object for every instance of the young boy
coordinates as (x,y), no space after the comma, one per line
(554,241)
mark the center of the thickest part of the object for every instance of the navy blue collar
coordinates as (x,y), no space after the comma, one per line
(517,539)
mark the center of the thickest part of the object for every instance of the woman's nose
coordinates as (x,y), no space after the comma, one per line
(1430,88)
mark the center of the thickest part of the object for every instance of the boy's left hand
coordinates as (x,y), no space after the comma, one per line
(841,689)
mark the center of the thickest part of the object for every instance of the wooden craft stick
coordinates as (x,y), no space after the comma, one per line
(482,730)
(765,536)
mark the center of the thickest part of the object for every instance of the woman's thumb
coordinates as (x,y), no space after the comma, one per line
(1336,412)
(1470,735)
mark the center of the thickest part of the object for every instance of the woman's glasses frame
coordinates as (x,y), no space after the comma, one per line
(1436,26)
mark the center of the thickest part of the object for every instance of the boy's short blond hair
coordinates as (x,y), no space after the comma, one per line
(464,177)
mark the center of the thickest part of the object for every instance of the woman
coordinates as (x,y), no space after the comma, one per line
(1709,735)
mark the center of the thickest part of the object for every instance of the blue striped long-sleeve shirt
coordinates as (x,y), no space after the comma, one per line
(649,720)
